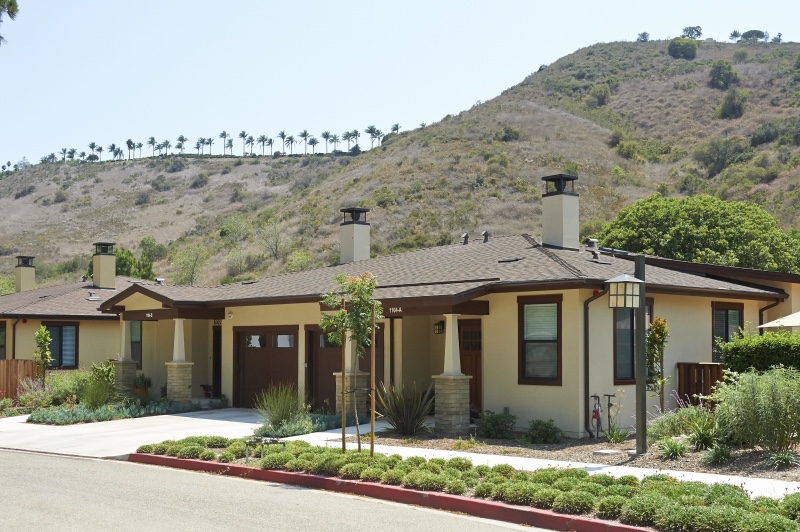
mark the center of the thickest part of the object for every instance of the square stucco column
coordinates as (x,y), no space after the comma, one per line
(179,381)
(124,375)
(452,403)
(353,380)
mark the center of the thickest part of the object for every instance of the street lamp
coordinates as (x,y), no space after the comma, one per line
(625,291)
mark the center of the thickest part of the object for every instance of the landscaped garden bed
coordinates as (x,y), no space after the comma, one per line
(658,501)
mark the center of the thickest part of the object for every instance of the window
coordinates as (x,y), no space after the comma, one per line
(63,345)
(2,340)
(624,342)
(728,319)
(136,343)
(283,340)
(540,340)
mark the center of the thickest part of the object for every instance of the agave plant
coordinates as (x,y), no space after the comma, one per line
(405,410)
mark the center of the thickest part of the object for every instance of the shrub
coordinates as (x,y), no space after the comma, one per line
(674,422)
(641,511)
(703,431)
(782,460)
(393,477)
(765,522)
(791,506)
(541,431)
(148,448)
(727,494)
(352,471)
(226,457)
(96,392)
(765,133)
(199,181)
(761,352)
(455,487)
(459,463)
(671,449)
(504,470)
(189,451)
(674,518)
(208,455)
(492,425)
(722,75)
(424,480)
(372,474)
(275,460)
(599,95)
(758,410)
(609,507)
(574,502)
(544,498)
(237,448)
(404,409)
(516,493)
(509,134)
(682,48)
(718,455)
(733,104)
(485,490)
(278,404)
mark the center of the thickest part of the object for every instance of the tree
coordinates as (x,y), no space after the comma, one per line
(197,146)
(182,140)
(243,136)
(734,36)
(271,235)
(139,147)
(733,104)
(63,154)
(723,75)
(93,147)
(289,143)
(152,143)
(356,312)
(131,146)
(335,141)
(152,250)
(262,141)
(752,36)
(599,95)
(777,39)
(10,9)
(656,341)
(224,137)
(326,136)
(371,132)
(354,135)
(704,229)
(99,150)
(82,156)
(42,354)
(269,143)
(304,135)
(112,148)
(313,141)
(682,48)
(643,37)
(71,153)
(167,145)
(692,32)
(118,153)
(188,264)
(395,128)
(229,145)
(209,142)
(282,136)
(201,143)
(251,142)
(348,137)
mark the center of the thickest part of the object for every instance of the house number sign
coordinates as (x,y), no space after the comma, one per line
(395,310)
(148,314)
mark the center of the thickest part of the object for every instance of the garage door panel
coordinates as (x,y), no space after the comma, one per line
(264,358)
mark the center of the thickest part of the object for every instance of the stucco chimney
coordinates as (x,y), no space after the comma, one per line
(354,235)
(104,265)
(25,274)
(560,225)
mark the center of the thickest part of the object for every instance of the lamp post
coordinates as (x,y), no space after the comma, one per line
(625,291)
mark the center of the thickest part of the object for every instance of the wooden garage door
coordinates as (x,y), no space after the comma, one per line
(264,356)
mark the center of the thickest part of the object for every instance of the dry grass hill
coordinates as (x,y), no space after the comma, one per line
(626,117)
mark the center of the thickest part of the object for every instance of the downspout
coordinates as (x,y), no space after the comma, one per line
(14,340)
(391,351)
(586,343)
(761,313)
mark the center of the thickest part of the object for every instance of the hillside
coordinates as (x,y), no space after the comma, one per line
(655,131)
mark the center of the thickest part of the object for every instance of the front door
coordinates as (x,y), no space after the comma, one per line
(265,356)
(469,340)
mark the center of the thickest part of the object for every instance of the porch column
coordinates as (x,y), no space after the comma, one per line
(179,372)
(452,386)
(124,366)
(354,379)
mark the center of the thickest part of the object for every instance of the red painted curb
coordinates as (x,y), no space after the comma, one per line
(523,515)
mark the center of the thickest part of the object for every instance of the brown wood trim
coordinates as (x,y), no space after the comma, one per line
(60,317)
(171,313)
(526,300)
(723,271)
(470,308)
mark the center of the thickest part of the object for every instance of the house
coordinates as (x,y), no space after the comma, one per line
(499,323)
(81,334)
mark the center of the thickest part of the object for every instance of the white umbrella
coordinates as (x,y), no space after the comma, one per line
(792,320)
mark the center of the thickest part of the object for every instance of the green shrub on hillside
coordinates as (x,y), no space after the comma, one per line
(733,104)
(723,75)
(682,48)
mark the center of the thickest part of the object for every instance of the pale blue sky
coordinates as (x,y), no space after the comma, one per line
(104,71)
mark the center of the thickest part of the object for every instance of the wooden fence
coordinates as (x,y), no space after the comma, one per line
(697,378)
(13,371)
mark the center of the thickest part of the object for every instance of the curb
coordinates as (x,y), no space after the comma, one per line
(523,515)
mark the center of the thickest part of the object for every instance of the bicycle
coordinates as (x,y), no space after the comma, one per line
(608,397)
(596,421)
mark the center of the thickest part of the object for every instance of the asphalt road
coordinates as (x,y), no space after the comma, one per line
(44,492)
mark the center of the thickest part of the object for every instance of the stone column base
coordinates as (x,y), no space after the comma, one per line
(179,381)
(358,381)
(124,375)
(452,404)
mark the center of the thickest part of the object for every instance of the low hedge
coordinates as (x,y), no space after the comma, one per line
(761,352)
(658,501)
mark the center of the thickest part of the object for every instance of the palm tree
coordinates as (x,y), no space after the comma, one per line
(371,132)
(269,143)
(326,136)
(282,136)
(139,147)
(197,146)
(167,145)
(179,146)
(209,142)
(63,155)
(99,152)
(395,128)
(202,143)
(111,149)
(93,147)
(131,146)
(118,153)
(348,137)
(313,141)
(251,142)
(262,140)
(82,156)
(71,153)
(289,143)
(243,136)
(304,135)
(152,143)
(224,137)
(229,145)
(181,142)
(354,135)
(335,141)
(379,135)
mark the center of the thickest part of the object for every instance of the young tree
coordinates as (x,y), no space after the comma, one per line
(356,312)
(723,75)
(656,340)
(643,37)
(733,104)
(188,263)
(734,36)
(42,354)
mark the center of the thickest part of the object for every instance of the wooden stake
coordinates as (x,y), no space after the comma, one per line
(372,389)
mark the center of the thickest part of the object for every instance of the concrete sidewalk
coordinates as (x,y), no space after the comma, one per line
(111,439)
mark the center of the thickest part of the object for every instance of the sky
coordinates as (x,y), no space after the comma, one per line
(105,71)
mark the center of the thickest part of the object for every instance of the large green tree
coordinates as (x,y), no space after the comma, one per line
(10,9)
(704,229)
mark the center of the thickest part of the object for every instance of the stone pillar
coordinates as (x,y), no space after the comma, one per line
(452,354)
(452,404)
(179,381)
(124,374)
(353,380)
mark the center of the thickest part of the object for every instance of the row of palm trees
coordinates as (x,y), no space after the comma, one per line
(248,141)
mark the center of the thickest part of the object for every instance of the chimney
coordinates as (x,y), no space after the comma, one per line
(560,225)
(104,265)
(25,274)
(354,236)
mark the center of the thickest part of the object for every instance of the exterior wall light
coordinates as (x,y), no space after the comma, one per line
(623,291)
(438,327)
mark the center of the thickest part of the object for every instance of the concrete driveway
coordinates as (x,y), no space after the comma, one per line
(121,437)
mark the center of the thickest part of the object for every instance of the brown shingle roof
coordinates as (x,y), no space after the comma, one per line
(73,300)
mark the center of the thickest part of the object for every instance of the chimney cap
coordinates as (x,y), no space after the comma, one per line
(562,184)
(104,248)
(25,260)
(355,215)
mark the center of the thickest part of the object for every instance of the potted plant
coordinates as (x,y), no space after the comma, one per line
(207,389)
(141,385)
